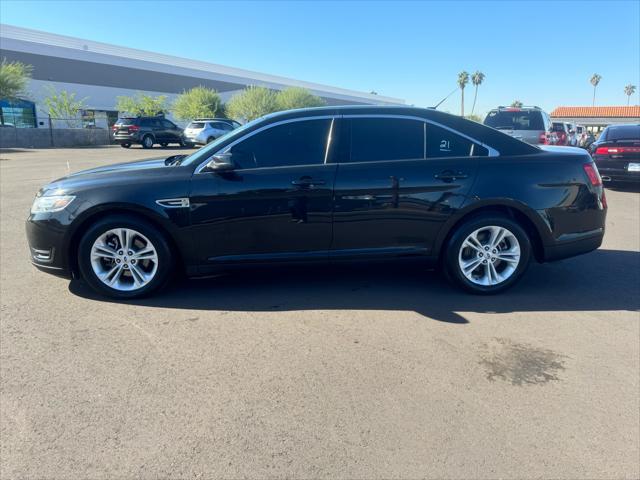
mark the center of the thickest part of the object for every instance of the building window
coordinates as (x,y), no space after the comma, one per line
(18,113)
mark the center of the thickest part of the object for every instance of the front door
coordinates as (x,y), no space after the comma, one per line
(277,202)
(398,181)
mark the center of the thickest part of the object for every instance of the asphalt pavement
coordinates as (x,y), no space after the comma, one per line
(368,372)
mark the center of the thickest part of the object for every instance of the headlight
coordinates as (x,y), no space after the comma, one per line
(50,204)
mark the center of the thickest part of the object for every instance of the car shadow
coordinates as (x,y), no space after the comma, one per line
(601,280)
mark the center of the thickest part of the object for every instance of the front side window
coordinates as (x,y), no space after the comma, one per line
(168,125)
(445,143)
(382,139)
(295,143)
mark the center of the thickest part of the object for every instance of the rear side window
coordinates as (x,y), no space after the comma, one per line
(294,143)
(127,121)
(147,122)
(221,126)
(445,143)
(515,120)
(380,139)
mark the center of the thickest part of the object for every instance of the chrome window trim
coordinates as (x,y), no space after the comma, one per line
(492,152)
(266,127)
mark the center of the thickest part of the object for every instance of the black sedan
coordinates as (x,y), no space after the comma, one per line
(331,184)
(617,153)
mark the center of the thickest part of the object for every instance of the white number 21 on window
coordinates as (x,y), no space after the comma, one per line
(445,146)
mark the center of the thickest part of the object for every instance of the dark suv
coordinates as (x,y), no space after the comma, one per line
(146,131)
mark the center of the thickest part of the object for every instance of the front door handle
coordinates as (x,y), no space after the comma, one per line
(307,182)
(450,175)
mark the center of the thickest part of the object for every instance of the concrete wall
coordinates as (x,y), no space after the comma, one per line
(57,137)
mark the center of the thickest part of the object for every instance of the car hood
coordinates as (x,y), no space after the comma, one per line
(117,173)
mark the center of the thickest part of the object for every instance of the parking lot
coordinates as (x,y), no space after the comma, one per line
(325,373)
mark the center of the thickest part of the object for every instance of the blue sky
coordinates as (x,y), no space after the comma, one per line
(541,53)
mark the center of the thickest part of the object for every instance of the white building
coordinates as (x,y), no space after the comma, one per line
(101,72)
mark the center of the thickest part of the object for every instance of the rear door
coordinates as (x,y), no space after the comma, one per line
(398,181)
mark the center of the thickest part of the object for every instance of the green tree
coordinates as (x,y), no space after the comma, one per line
(476,79)
(251,103)
(142,104)
(475,118)
(64,106)
(14,77)
(199,102)
(628,91)
(595,80)
(463,79)
(297,97)
(517,104)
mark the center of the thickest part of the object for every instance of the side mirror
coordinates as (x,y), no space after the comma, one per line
(221,162)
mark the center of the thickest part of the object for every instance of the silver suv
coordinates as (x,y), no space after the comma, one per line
(529,124)
(205,130)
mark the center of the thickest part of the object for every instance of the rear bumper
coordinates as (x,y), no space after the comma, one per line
(581,243)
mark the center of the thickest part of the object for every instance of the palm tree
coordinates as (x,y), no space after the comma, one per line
(628,91)
(595,80)
(476,80)
(463,79)
(516,104)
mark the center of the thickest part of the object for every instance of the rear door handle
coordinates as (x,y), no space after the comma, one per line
(450,175)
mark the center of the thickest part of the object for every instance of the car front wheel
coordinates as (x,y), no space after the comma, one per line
(487,254)
(124,257)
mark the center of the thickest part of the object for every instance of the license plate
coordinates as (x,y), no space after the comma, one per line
(634,167)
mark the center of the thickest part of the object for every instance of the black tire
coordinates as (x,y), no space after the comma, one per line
(450,256)
(147,141)
(125,145)
(165,258)
(210,139)
(164,144)
(181,142)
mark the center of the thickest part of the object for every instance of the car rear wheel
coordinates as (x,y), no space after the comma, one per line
(124,257)
(164,144)
(147,141)
(487,254)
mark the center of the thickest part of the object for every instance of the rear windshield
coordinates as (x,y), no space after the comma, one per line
(196,125)
(127,121)
(626,132)
(515,120)
(558,127)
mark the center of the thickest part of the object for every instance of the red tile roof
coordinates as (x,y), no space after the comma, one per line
(620,112)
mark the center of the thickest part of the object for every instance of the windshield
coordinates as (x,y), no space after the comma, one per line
(514,120)
(206,151)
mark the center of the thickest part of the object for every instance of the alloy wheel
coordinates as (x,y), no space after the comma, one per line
(124,259)
(489,255)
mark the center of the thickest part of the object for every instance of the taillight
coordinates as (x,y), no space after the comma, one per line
(543,139)
(616,150)
(114,128)
(592,172)
(134,128)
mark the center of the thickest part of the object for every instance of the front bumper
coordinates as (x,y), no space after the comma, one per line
(47,249)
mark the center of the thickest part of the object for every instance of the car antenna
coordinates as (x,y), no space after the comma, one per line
(440,102)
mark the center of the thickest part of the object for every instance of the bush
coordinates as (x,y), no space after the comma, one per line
(252,103)
(142,104)
(199,102)
(297,97)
